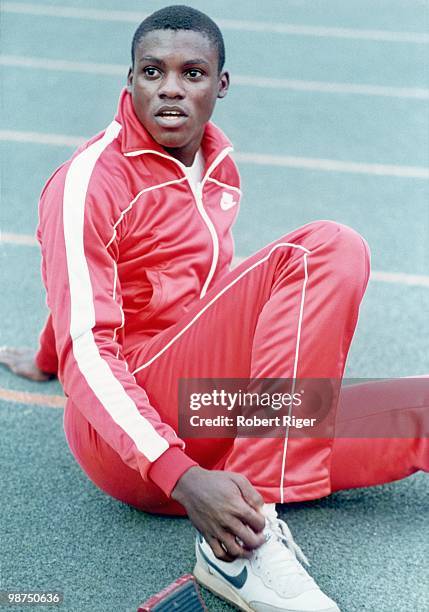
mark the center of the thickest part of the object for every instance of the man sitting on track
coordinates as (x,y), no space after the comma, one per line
(135,231)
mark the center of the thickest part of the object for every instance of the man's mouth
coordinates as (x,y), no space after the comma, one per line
(171,116)
(170,111)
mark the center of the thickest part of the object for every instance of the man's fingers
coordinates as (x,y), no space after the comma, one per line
(12,351)
(233,548)
(11,356)
(249,493)
(218,550)
(249,516)
(7,354)
(254,519)
(20,361)
(245,534)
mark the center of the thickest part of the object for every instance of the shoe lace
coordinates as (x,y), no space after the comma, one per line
(284,535)
(279,558)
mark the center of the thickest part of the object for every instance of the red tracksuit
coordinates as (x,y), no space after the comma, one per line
(136,263)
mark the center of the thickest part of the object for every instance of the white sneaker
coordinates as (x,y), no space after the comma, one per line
(272,580)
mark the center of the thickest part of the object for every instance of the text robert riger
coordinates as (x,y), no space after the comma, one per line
(252,421)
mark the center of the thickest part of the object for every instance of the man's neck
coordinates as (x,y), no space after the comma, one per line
(186,154)
(186,157)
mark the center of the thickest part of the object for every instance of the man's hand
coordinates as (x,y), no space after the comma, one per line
(21,361)
(225,508)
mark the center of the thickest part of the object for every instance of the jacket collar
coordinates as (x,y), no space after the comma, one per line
(135,138)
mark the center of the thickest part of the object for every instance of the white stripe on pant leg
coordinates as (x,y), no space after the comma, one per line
(216,297)
(295,370)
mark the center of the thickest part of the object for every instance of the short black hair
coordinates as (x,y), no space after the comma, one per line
(180,17)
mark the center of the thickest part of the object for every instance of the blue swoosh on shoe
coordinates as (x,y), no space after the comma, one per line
(236,581)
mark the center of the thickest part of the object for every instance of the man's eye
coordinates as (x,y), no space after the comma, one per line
(151,72)
(194,73)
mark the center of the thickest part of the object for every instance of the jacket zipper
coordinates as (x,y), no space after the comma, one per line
(198,197)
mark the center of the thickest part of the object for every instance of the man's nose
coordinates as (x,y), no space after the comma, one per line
(171,87)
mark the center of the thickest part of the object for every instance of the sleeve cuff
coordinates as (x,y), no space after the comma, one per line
(47,364)
(167,470)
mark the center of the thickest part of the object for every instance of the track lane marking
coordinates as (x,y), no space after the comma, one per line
(333,165)
(103,69)
(135,17)
(18,239)
(286,161)
(58,140)
(33,399)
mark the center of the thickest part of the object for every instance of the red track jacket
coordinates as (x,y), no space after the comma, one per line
(127,246)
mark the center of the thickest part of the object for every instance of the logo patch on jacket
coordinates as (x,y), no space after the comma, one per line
(227,201)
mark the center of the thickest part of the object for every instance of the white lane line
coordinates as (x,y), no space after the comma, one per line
(41,63)
(69,12)
(401,278)
(333,165)
(418,93)
(32,399)
(63,65)
(397,278)
(20,239)
(287,161)
(58,140)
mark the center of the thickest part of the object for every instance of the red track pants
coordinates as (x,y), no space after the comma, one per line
(288,311)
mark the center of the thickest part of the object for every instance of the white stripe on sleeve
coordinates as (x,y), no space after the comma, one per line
(96,371)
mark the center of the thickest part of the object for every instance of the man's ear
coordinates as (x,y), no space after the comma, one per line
(223,84)
(130,80)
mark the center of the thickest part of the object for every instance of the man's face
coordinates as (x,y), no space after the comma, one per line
(174,84)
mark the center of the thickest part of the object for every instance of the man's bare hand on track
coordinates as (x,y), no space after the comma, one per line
(21,361)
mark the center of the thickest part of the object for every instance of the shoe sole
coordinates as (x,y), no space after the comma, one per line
(219,588)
